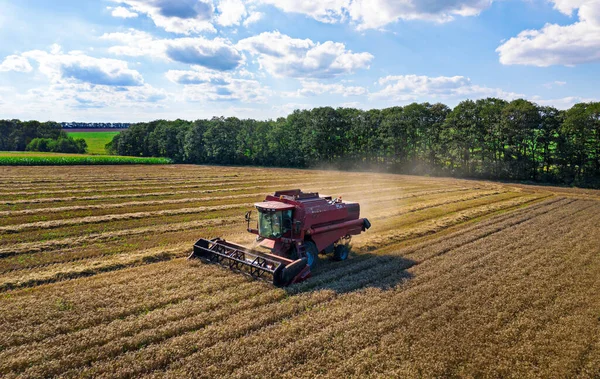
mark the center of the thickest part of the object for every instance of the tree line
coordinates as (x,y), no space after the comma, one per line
(18,135)
(488,138)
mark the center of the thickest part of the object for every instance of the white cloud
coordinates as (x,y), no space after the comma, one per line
(369,14)
(202,85)
(122,12)
(78,67)
(555,44)
(556,83)
(283,56)
(568,6)
(15,63)
(314,88)
(68,96)
(135,43)
(244,90)
(352,104)
(187,77)
(253,18)
(78,82)
(561,103)
(285,109)
(329,11)
(217,54)
(180,16)
(55,48)
(412,87)
(231,12)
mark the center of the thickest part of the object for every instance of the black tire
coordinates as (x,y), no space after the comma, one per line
(341,252)
(328,249)
(312,253)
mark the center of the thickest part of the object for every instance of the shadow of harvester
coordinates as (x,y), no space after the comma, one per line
(358,272)
(361,270)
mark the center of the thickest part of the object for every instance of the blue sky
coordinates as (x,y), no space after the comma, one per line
(138,60)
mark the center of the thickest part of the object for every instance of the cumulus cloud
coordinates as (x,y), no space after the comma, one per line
(412,87)
(78,81)
(556,83)
(122,12)
(253,18)
(202,85)
(244,90)
(187,77)
(189,16)
(562,103)
(285,109)
(555,44)
(181,16)
(74,67)
(15,63)
(82,96)
(283,56)
(217,54)
(568,6)
(231,12)
(314,88)
(369,14)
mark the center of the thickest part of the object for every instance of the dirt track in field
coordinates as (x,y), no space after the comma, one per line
(455,278)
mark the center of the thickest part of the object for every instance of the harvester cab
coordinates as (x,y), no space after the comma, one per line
(292,228)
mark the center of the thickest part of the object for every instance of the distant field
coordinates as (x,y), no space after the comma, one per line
(456,278)
(96,140)
(22,158)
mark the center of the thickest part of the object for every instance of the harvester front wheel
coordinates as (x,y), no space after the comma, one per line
(312,253)
(340,253)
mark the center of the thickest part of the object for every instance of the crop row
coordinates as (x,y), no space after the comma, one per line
(85,204)
(353,281)
(254,342)
(137,194)
(350,263)
(79,263)
(17,216)
(73,226)
(149,189)
(346,328)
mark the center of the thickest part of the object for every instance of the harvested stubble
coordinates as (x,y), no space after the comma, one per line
(455,278)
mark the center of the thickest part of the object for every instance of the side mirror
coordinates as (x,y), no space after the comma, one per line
(247,217)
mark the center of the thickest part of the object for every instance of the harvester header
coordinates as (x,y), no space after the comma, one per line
(293,228)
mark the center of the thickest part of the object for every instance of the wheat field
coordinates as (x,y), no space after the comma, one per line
(455,278)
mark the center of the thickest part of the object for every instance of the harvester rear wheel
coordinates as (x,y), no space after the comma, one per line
(312,253)
(341,252)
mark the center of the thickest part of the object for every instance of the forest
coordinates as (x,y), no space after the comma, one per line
(16,135)
(488,138)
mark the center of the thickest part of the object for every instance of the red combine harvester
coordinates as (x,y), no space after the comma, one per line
(295,227)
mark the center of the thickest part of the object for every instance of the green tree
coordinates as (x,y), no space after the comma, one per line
(579,147)
(520,121)
(220,140)
(193,146)
(461,132)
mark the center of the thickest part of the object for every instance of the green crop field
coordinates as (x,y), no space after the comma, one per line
(95,140)
(21,158)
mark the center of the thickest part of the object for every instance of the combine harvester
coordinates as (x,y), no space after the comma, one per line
(295,227)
